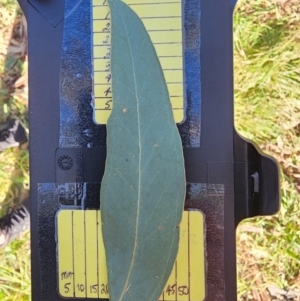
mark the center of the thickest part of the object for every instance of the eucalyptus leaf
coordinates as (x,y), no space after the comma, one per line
(143,188)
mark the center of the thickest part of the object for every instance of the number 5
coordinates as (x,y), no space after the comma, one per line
(67,287)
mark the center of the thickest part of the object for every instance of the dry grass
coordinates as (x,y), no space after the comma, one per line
(267,91)
(14,167)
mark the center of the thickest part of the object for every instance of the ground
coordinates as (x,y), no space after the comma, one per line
(267,110)
(14,166)
(267,100)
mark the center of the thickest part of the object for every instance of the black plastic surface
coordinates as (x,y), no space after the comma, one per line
(24,6)
(51,10)
(222,158)
(256,181)
(77,128)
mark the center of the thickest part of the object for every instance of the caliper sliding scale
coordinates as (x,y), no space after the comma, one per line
(228,178)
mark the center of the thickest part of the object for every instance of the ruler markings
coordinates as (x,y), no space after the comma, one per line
(189,258)
(97,233)
(143,18)
(179,286)
(182,261)
(166,36)
(162,43)
(92,283)
(176,280)
(66,269)
(172,77)
(149,30)
(73,252)
(85,254)
(130,2)
(105,84)
(79,254)
(149,3)
(197,267)
(110,109)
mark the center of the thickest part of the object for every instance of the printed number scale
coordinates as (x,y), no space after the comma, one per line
(82,269)
(163,21)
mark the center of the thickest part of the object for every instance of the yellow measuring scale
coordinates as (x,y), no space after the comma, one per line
(82,265)
(163,21)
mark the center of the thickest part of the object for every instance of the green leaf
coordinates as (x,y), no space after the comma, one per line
(143,188)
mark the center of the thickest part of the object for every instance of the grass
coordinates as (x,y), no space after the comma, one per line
(15,271)
(267,110)
(267,64)
(269,248)
(14,164)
